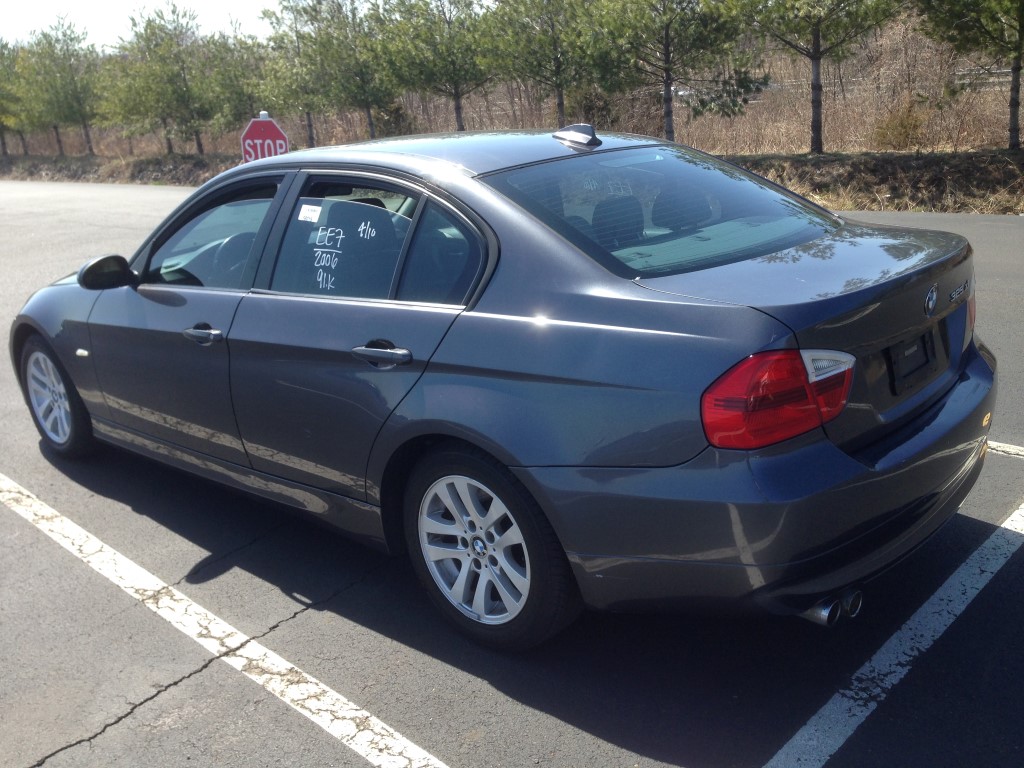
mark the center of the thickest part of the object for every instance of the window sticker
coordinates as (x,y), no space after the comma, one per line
(310,213)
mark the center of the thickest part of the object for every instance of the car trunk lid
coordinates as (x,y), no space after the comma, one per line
(896,299)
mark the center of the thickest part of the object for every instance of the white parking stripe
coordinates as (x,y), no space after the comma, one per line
(1005,448)
(834,723)
(356,728)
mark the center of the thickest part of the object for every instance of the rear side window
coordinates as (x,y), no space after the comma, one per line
(444,259)
(653,211)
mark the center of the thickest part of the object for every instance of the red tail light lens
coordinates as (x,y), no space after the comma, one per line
(773,396)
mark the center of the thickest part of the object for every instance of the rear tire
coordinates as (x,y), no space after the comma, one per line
(56,407)
(486,554)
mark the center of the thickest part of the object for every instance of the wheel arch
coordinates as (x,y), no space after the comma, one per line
(394,478)
(20,334)
(72,437)
(546,596)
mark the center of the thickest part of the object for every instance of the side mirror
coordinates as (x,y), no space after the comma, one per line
(106,272)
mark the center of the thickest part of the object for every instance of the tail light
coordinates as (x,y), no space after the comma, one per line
(773,396)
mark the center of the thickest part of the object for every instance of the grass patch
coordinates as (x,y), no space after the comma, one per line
(182,170)
(962,182)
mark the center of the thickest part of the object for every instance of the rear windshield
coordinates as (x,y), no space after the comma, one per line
(654,211)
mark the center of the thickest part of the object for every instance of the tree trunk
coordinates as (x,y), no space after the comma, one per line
(24,143)
(1015,103)
(817,144)
(514,93)
(536,103)
(3,142)
(310,135)
(369,122)
(60,142)
(666,100)
(459,124)
(167,136)
(667,82)
(558,78)
(199,142)
(87,135)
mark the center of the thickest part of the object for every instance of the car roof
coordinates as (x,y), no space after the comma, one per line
(470,153)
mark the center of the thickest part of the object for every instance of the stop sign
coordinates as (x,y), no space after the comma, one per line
(263,138)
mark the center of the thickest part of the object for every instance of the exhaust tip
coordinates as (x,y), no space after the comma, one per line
(852,600)
(826,613)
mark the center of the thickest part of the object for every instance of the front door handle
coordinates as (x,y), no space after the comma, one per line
(203,334)
(383,358)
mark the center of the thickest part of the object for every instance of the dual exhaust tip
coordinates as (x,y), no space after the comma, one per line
(831,609)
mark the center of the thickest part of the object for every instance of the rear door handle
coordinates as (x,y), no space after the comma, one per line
(383,358)
(203,334)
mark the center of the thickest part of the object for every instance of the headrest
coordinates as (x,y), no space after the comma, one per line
(618,221)
(680,208)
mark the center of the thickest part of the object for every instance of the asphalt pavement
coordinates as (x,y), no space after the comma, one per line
(95,675)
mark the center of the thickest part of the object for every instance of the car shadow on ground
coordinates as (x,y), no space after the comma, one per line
(693,690)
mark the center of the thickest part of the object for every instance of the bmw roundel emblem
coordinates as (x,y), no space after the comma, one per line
(931,300)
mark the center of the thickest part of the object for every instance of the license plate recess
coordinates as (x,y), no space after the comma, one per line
(912,361)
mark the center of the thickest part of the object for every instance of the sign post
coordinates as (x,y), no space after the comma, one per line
(263,138)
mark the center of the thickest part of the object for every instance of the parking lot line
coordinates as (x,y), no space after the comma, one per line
(1006,449)
(356,728)
(827,731)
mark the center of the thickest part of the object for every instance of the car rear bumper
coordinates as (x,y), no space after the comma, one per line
(779,528)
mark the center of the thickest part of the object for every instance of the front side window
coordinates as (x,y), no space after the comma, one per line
(343,240)
(654,211)
(213,247)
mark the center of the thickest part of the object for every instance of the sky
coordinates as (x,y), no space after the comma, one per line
(105,21)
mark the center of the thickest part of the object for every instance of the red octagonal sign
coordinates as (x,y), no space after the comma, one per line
(263,138)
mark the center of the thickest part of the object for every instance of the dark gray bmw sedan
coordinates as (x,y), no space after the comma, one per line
(554,370)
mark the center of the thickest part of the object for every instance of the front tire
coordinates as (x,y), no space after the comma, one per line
(56,407)
(485,552)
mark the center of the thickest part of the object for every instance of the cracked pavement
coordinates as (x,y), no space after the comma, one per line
(339,717)
(92,677)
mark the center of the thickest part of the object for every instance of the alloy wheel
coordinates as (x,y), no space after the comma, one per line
(474,549)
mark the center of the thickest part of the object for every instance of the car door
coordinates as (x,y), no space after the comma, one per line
(159,347)
(369,277)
